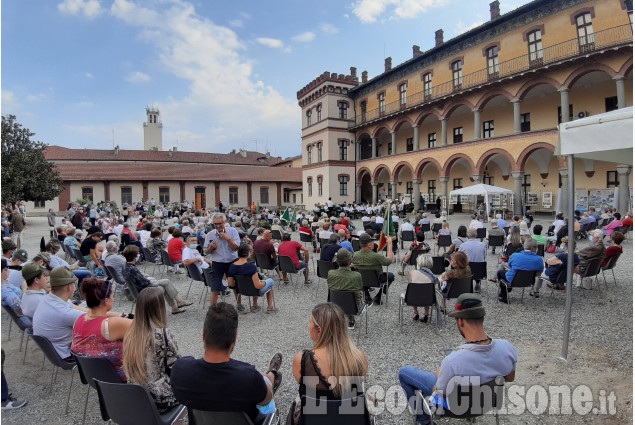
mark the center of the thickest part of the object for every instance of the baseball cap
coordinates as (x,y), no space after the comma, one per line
(21,255)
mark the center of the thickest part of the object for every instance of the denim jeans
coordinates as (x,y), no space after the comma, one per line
(269,285)
(411,379)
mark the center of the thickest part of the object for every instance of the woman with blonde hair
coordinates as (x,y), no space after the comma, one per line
(338,365)
(149,349)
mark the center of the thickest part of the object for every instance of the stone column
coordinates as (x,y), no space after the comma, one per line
(477,178)
(444,190)
(374,147)
(624,195)
(393,186)
(518,191)
(415,138)
(564,175)
(444,131)
(564,105)
(374,185)
(358,150)
(516,104)
(621,91)
(416,193)
(477,124)
(358,193)
(393,142)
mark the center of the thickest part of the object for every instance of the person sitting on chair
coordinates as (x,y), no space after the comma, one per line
(591,252)
(555,265)
(344,279)
(524,260)
(366,259)
(418,245)
(423,274)
(481,356)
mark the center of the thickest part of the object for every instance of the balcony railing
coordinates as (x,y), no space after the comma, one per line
(616,36)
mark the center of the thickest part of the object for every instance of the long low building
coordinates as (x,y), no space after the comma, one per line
(204,179)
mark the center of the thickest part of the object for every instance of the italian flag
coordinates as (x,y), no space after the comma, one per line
(387,230)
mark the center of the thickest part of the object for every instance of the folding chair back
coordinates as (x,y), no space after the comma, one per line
(323,242)
(412,261)
(275,234)
(407,236)
(481,233)
(370,279)
(438,265)
(305,238)
(425,227)
(593,268)
(165,259)
(470,401)
(262,261)
(479,270)
(444,240)
(50,353)
(436,227)
(612,262)
(205,417)
(245,286)
(541,250)
(194,272)
(115,276)
(523,278)
(459,286)
(253,238)
(335,412)
(345,299)
(286,264)
(496,240)
(132,404)
(148,256)
(323,268)
(420,295)
(356,244)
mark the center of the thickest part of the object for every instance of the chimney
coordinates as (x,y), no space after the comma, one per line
(243,153)
(494,9)
(169,153)
(353,72)
(387,63)
(416,51)
(174,149)
(364,76)
(438,37)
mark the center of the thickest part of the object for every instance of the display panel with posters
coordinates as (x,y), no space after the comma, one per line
(601,198)
(547,200)
(496,200)
(532,199)
(582,200)
(453,199)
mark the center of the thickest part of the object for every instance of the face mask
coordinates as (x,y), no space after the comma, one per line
(193,246)
(562,247)
(590,238)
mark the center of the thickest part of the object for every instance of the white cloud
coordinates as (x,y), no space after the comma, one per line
(328,29)
(237,23)
(305,37)
(244,15)
(270,42)
(88,8)
(369,10)
(38,97)
(138,77)
(223,89)
(9,102)
(460,27)
(88,75)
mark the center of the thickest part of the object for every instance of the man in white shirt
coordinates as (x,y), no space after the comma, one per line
(406,226)
(190,255)
(186,227)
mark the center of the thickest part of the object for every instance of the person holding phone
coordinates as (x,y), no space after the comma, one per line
(222,243)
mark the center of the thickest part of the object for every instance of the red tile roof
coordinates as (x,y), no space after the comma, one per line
(59,153)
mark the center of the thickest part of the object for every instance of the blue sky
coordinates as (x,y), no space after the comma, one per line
(223,74)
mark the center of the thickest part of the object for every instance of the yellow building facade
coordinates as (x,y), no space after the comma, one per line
(485,106)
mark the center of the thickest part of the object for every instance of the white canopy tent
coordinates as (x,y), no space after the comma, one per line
(482,189)
(602,137)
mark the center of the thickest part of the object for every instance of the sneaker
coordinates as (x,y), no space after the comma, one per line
(276,362)
(534,294)
(227,292)
(12,403)
(351,326)
(307,282)
(120,288)
(477,288)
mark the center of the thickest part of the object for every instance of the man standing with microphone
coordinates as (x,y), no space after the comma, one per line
(222,243)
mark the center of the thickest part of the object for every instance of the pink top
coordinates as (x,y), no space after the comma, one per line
(88,342)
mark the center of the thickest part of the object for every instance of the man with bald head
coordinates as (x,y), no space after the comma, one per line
(264,246)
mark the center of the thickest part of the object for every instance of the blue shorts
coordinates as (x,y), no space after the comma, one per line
(302,265)
(269,285)
(219,270)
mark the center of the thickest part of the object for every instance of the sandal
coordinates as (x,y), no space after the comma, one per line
(179,310)
(416,317)
(271,310)
(185,304)
(425,319)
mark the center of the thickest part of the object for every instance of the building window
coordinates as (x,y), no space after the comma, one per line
(308,117)
(319,112)
(409,188)
(343,150)
(427,85)
(389,148)
(488,129)
(492,62)
(403,96)
(611,179)
(285,196)
(560,113)
(233,195)
(610,103)
(432,140)
(309,183)
(489,180)
(458,134)
(432,188)
(164,195)
(586,38)
(525,122)
(534,40)
(343,107)
(264,194)
(320,180)
(294,199)
(362,107)
(200,198)
(126,195)
(629,10)
(457,74)
(382,102)
(526,185)
(343,185)
(87,193)
(39,204)
(409,144)
(457,183)
(309,154)
(319,147)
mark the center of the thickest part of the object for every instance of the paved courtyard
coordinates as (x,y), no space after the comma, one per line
(600,351)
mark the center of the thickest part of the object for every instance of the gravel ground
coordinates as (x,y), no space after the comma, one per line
(600,351)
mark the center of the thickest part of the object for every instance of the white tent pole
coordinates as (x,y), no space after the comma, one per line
(570,265)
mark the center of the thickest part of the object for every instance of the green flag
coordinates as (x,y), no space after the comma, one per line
(286,215)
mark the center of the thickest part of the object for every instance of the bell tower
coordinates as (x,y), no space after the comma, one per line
(152,130)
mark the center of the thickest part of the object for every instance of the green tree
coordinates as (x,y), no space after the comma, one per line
(26,174)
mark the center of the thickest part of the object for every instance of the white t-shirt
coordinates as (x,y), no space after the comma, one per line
(189,254)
